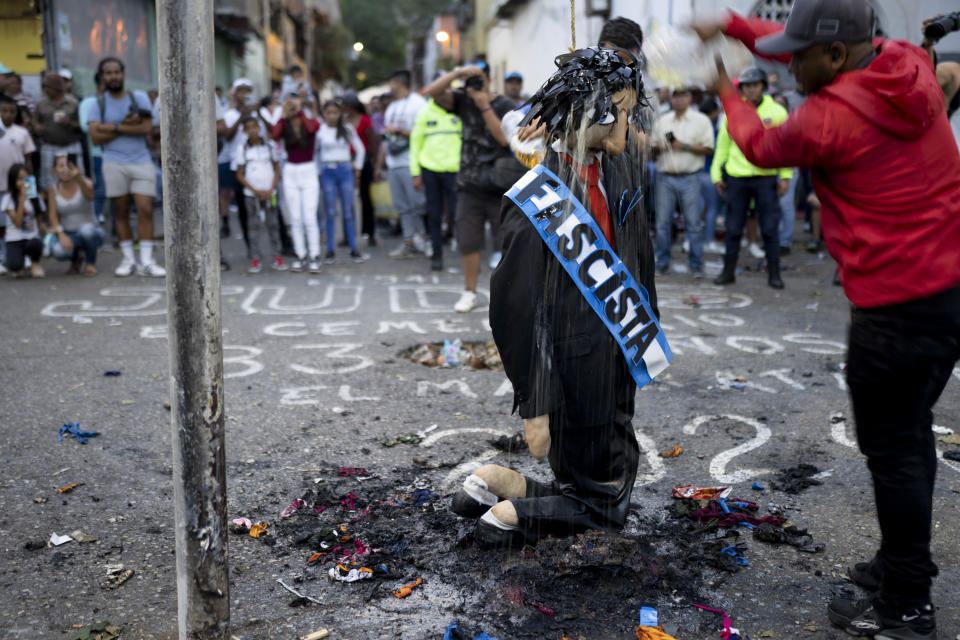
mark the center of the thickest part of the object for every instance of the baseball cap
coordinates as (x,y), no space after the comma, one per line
(241,82)
(65,74)
(813,21)
(4,71)
(513,75)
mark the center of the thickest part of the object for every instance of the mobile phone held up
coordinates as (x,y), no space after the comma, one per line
(31,184)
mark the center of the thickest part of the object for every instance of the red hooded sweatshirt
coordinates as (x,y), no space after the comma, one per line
(884,165)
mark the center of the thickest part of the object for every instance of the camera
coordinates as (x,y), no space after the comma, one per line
(474,82)
(942,26)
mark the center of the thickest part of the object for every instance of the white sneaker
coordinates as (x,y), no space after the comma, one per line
(495,259)
(419,243)
(428,251)
(755,250)
(125,268)
(404,250)
(685,247)
(714,247)
(315,266)
(3,269)
(152,270)
(296,265)
(466,303)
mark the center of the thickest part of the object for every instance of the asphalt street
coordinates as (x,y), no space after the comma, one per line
(315,379)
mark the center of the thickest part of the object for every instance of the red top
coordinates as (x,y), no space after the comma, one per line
(295,153)
(884,165)
(362,127)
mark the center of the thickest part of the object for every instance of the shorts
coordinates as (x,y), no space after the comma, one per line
(138,178)
(473,211)
(225,177)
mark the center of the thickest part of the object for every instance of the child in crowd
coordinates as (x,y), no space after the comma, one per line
(17,134)
(21,236)
(258,170)
(72,220)
(335,141)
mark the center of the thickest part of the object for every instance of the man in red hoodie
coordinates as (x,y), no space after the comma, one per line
(887,171)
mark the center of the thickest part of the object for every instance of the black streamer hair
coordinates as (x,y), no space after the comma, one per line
(585,78)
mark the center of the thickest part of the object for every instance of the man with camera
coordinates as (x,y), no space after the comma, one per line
(948,73)
(875,134)
(479,190)
(121,120)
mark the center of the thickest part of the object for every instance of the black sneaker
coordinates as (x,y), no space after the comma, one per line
(436,263)
(330,258)
(861,618)
(865,575)
(466,506)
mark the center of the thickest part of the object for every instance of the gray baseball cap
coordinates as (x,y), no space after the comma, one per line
(813,21)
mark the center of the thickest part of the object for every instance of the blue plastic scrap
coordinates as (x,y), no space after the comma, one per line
(733,553)
(648,617)
(454,632)
(72,430)
(757,486)
(111,373)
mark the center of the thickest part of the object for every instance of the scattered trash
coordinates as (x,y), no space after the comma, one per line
(454,353)
(69,487)
(82,537)
(790,534)
(57,540)
(259,530)
(111,373)
(240,525)
(126,402)
(735,551)
(690,492)
(316,635)
(341,573)
(297,593)
(942,430)
(422,496)
(651,633)
(726,619)
(953,438)
(289,511)
(756,486)
(97,631)
(454,632)
(953,454)
(40,499)
(738,386)
(72,430)
(672,453)
(404,438)
(406,590)
(541,608)
(116,576)
(796,479)
(510,444)
(648,617)
(345,472)
(691,300)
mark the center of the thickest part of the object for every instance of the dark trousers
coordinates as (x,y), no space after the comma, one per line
(763,190)
(19,248)
(439,188)
(899,360)
(367,220)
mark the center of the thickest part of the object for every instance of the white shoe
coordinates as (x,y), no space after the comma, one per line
(714,247)
(3,269)
(495,259)
(755,250)
(428,251)
(296,265)
(419,243)
(404,250)
(152,270)
(125,268)
(466,303)
(685,247)
(315,266)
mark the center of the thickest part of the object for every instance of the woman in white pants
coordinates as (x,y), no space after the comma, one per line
(301,190)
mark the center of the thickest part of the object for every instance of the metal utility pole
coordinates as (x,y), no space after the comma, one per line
(51,35)
(191,232)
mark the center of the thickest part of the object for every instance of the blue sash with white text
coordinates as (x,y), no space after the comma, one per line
(574,237)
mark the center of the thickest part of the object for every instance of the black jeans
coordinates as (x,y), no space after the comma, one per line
(367,220)
(763,190)
(899,360)
(438,188)
(18,248)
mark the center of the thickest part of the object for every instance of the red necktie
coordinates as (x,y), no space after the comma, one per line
(590,174)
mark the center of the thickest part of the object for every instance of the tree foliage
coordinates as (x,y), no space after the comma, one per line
(385,28)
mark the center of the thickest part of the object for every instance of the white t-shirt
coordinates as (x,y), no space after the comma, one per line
(25,231)
(257,163)
(692,128)
(230,118)
(332,148)
(403,115)
(21,138)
